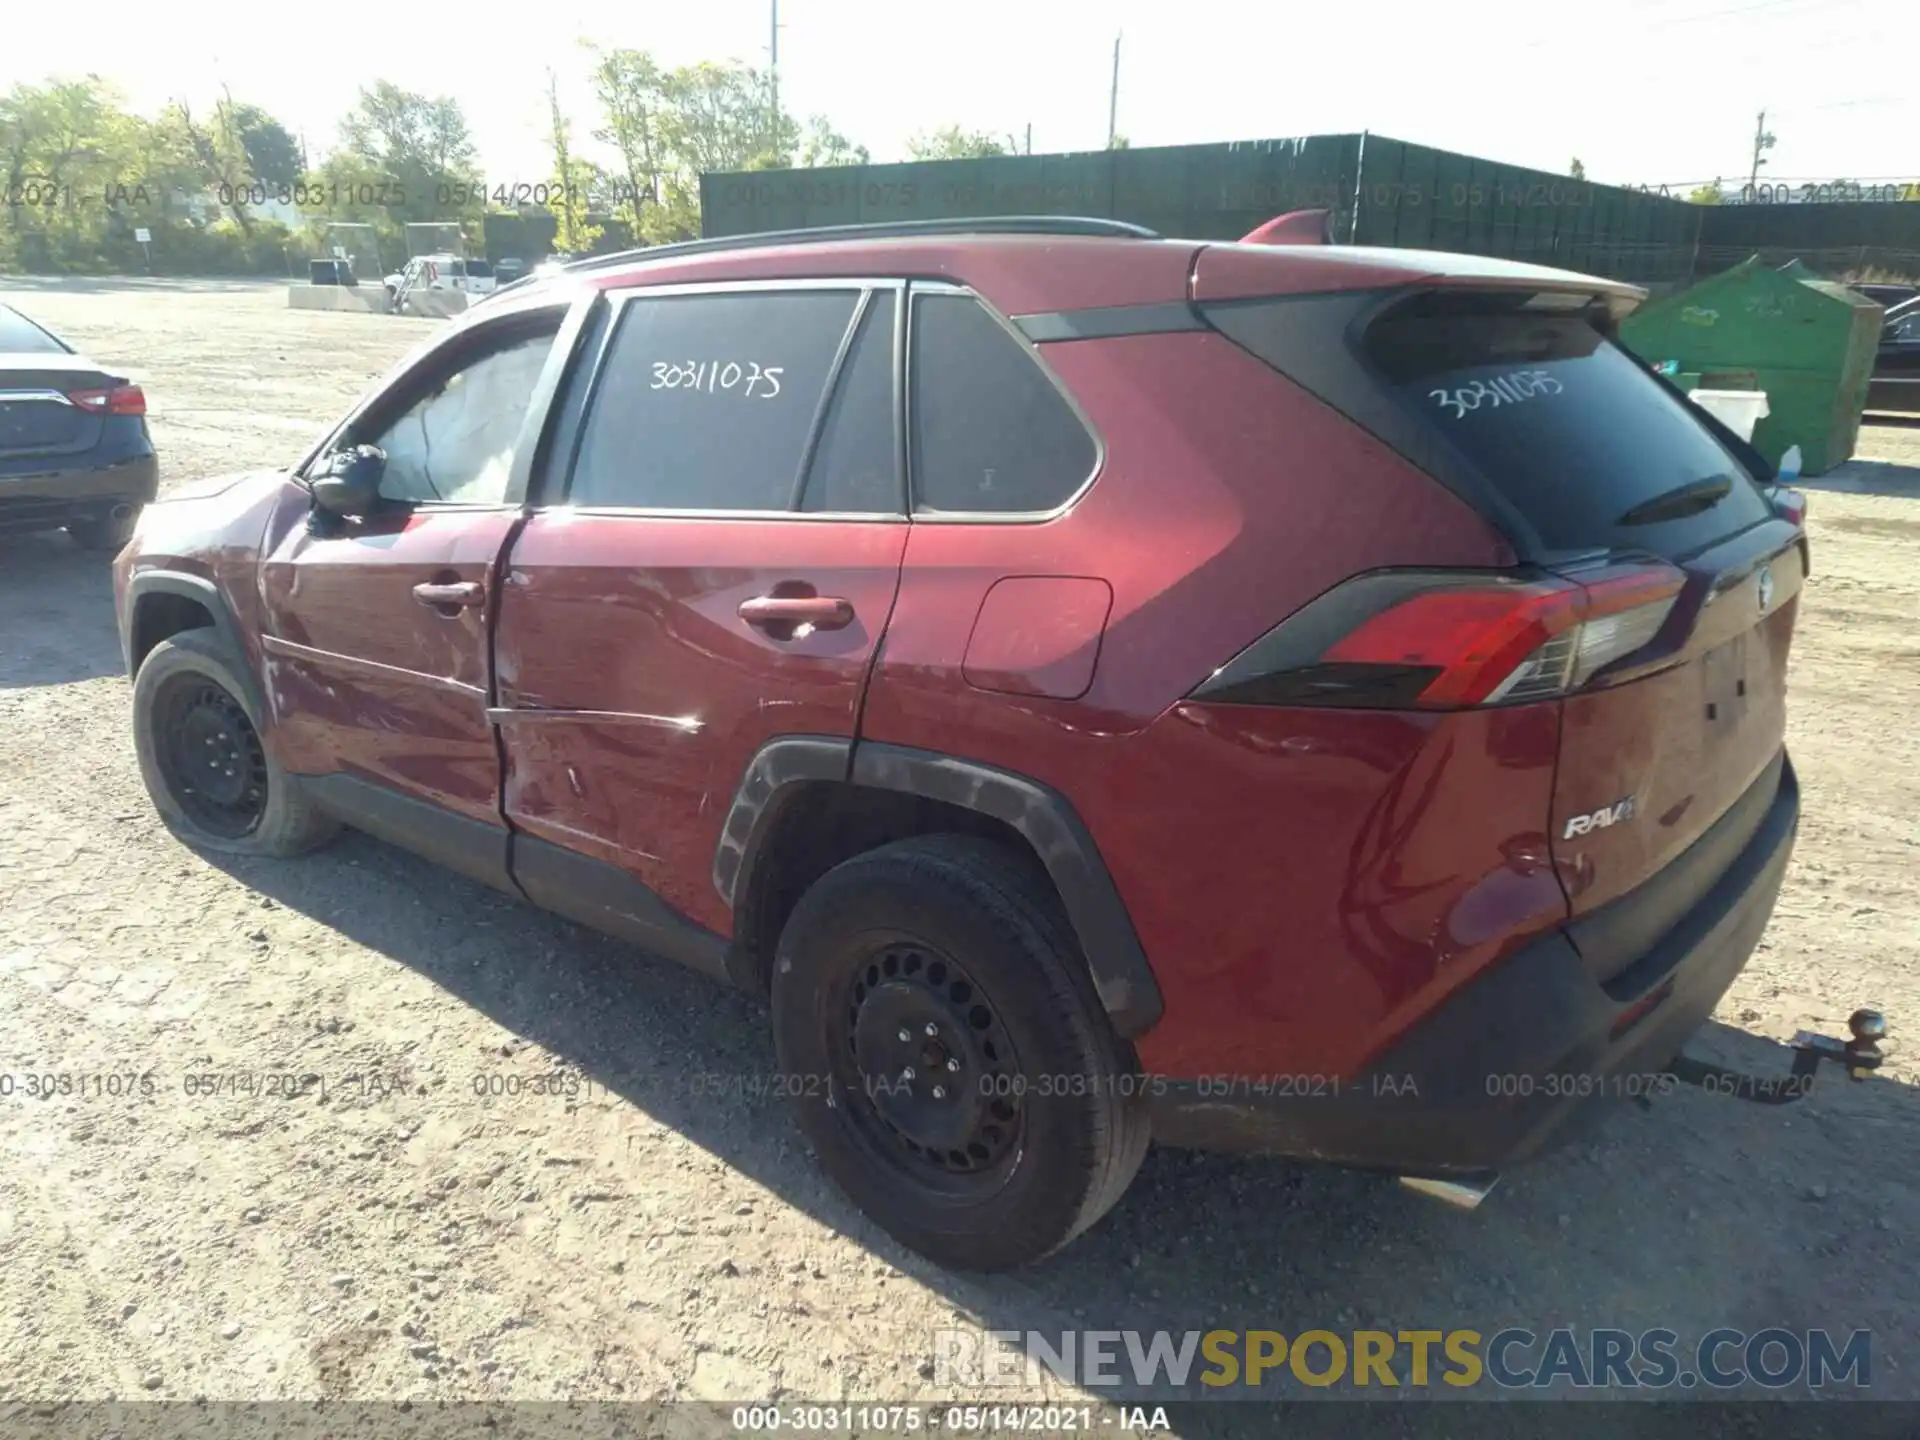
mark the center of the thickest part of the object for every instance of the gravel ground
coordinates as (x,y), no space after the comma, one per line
(658,1230)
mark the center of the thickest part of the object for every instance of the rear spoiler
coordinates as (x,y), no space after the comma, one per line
(1296,227)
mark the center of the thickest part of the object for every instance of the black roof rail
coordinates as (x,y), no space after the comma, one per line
(1086,225)
(886,230)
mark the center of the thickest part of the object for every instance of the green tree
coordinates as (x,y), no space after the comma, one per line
(405,158)
(401,130)
(1706,194)
(218,155)
(669,127)
(821,144)
(71,157)
(631,91)
(950,142)
(273,155)
(573,178)
(1577,170)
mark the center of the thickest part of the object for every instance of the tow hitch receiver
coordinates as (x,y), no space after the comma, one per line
(1861,1056)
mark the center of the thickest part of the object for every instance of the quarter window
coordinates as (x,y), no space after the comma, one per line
(991,432)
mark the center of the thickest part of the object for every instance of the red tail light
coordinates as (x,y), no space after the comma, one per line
(120,400)
(1440,641)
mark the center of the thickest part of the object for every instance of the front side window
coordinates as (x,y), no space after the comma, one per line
(991,432)
(456,443)
(706,402)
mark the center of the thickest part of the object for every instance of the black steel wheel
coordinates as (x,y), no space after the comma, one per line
(932,1074)
(211,756)
(948,1057)
(210,776)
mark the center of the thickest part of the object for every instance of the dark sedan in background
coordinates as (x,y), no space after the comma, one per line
(1896,369)
(74,448)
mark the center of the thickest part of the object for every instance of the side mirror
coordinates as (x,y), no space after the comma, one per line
(347,482)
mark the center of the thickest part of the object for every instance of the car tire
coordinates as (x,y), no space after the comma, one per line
(104,532)
(190,706)
(1043,1122)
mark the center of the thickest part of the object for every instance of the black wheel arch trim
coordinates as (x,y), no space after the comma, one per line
(1042,816)
(1050,824)
(205,594)
(776,768)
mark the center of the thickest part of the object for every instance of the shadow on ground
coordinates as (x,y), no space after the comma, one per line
(1867,477)
(1201,1242)
(56,612)
(107,284)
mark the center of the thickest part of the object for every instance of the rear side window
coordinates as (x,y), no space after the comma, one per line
(1572,431)
(705,402)
(20,336)
(991,433)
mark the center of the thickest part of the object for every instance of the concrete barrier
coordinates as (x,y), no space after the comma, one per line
(372,300)
(359,299)
(434,304)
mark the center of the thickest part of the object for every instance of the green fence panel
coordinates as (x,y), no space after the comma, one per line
(1203,191)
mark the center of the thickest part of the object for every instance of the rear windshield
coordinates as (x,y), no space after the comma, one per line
(1574,433)
(480,268)
(20,336)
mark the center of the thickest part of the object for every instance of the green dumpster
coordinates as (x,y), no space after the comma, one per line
(1809,342)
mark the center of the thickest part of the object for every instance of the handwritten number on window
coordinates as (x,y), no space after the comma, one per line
(749,380)
(1509,389)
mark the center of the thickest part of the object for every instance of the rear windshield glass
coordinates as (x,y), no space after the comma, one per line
(20,336)
(479,268)
(1577,436)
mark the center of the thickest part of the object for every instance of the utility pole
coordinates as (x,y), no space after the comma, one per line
(1029,137)
(773,71)
(1113,97)
(1761,141)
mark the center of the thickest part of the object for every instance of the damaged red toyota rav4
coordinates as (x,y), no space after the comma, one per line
(1096,687)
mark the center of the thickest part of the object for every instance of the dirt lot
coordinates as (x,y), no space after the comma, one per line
(662,1232)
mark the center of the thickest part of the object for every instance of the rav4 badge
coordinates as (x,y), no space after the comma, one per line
(1600,819)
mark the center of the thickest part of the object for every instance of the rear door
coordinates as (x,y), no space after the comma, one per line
(1613,476)
(712,566)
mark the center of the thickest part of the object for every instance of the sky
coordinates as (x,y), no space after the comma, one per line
(1641,91)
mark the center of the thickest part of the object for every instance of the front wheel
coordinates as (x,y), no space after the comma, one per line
(201,756)
(951,1063)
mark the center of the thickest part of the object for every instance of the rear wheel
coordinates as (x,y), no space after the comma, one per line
(106,531)
(201,756)
(950,1061)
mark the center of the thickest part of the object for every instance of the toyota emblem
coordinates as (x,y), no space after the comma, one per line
(1766,588)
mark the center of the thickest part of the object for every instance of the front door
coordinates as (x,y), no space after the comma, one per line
(376,628)
(715,571)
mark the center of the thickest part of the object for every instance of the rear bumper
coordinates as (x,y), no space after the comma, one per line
(47,499)
(1512,1062)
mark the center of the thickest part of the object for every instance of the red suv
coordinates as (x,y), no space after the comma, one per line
(1312,699)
